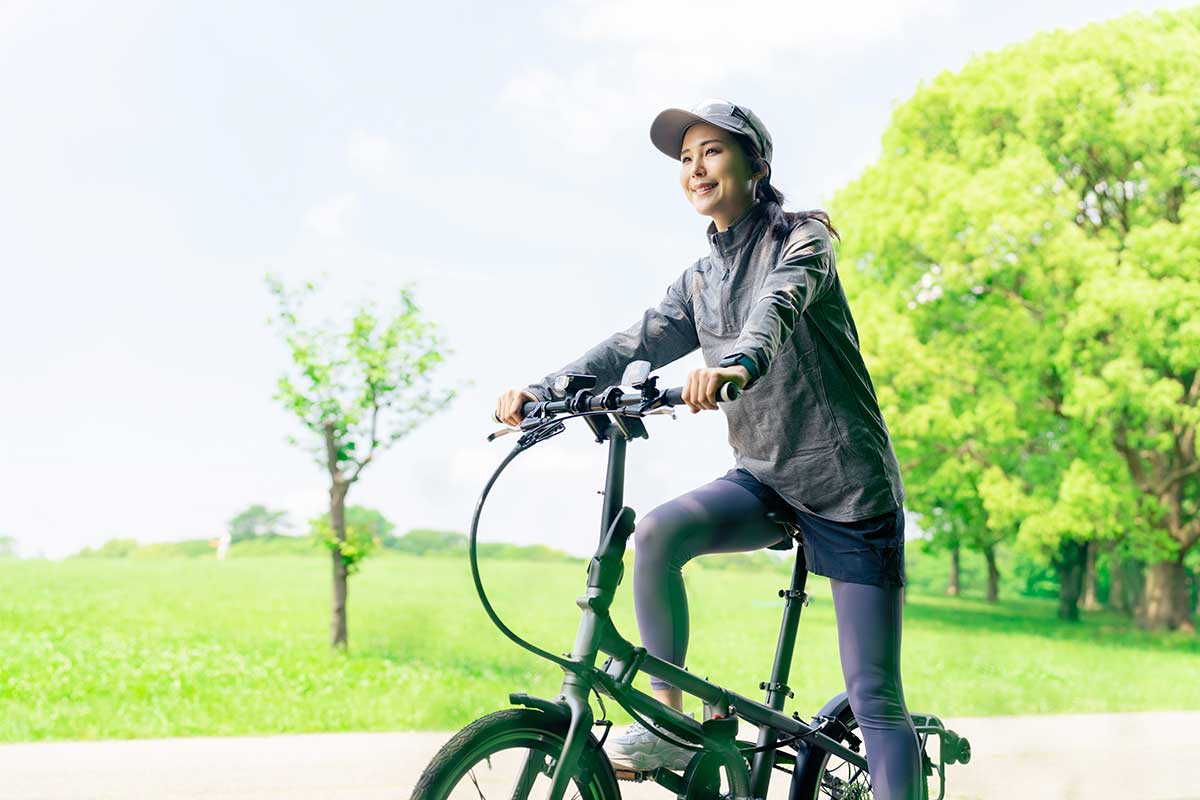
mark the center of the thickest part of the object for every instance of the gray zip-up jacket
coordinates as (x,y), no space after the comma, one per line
(807,424)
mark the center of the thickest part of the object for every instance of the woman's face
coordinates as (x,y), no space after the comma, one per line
(715,174)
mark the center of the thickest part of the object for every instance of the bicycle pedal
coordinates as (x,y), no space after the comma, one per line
(633,775)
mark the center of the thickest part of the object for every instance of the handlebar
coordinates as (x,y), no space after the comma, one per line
(625,399)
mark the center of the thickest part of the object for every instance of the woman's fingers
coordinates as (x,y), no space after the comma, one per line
(509,404)
(691,390)
(702,387)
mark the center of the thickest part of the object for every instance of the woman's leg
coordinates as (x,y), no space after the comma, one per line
(869,620)
(719,517)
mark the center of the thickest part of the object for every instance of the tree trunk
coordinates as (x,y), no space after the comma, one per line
(1071,563)
(337,521)
(1116,575)
(1166,603)
(1089,577)
(993,590)
(1125,589)
(1116,583)
(1133,573)
(953,588)
(1196,585)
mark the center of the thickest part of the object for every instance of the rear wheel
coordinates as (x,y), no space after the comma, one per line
(511,755)
(830,777)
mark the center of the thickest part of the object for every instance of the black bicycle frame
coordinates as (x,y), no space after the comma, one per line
(597,633)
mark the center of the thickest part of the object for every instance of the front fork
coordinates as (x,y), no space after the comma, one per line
(574,694)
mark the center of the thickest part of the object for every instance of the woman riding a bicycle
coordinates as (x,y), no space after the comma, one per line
(767,309)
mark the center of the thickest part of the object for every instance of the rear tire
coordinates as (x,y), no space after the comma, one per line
(499,748)
(827,776)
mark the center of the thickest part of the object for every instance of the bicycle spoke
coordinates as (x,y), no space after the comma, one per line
(471,775)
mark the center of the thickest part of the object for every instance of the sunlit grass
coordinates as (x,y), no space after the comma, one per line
(142,648)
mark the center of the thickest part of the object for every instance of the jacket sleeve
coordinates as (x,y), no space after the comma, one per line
(803,275)
(663,334)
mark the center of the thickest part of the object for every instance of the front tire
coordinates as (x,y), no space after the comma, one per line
(510,755)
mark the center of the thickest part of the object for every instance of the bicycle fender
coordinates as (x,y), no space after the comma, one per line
(832,708)
(558,709)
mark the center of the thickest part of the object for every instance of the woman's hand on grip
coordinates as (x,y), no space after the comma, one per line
(508,406)
(700,390)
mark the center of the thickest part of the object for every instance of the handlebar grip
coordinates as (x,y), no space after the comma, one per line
(526,410)
(728,391)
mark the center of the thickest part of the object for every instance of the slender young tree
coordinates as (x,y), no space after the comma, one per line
(357,391)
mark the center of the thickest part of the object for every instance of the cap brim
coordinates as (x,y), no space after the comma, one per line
(666,132)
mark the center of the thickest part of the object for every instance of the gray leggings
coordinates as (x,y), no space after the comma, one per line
(723,517)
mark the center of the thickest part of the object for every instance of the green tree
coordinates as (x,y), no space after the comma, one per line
(8,547)
(256,521)
(366,530)
(357,391)
(1026,249)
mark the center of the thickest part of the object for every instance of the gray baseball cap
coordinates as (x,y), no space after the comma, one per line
(666,132)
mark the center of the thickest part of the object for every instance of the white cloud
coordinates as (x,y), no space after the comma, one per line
(374,158)
(328,218)
(683,49)
(579,111)
(704,31)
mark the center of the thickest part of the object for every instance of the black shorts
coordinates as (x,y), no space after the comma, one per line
(867,551)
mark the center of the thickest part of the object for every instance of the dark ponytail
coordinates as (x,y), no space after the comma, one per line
(782,221)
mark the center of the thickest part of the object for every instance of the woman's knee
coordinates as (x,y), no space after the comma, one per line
(660,533)
(875,696)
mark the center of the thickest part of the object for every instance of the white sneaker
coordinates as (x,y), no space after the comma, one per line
(640,749)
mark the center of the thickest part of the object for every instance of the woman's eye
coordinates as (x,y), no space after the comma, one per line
(685,159)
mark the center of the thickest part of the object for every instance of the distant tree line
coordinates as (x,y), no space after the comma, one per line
(258,531)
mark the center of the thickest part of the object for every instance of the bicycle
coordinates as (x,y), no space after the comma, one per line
(554,739)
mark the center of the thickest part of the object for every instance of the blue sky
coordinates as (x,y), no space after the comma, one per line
(159,159)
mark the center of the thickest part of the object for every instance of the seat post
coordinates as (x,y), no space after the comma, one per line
(794,600)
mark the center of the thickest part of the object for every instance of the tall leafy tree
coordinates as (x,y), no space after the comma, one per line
(357,390)
(1029,243)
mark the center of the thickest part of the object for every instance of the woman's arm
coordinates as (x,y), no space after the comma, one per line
(662,335)
(804,273)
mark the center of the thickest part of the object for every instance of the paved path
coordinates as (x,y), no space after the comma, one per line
(1142,756)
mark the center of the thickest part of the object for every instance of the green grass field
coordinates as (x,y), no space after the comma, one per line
(180,647)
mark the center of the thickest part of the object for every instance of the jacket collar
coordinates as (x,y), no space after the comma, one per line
(725,243)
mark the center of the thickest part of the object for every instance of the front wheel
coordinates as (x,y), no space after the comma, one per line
(829,777)
(511,755)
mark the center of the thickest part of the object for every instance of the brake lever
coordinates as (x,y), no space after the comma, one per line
(494,436)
